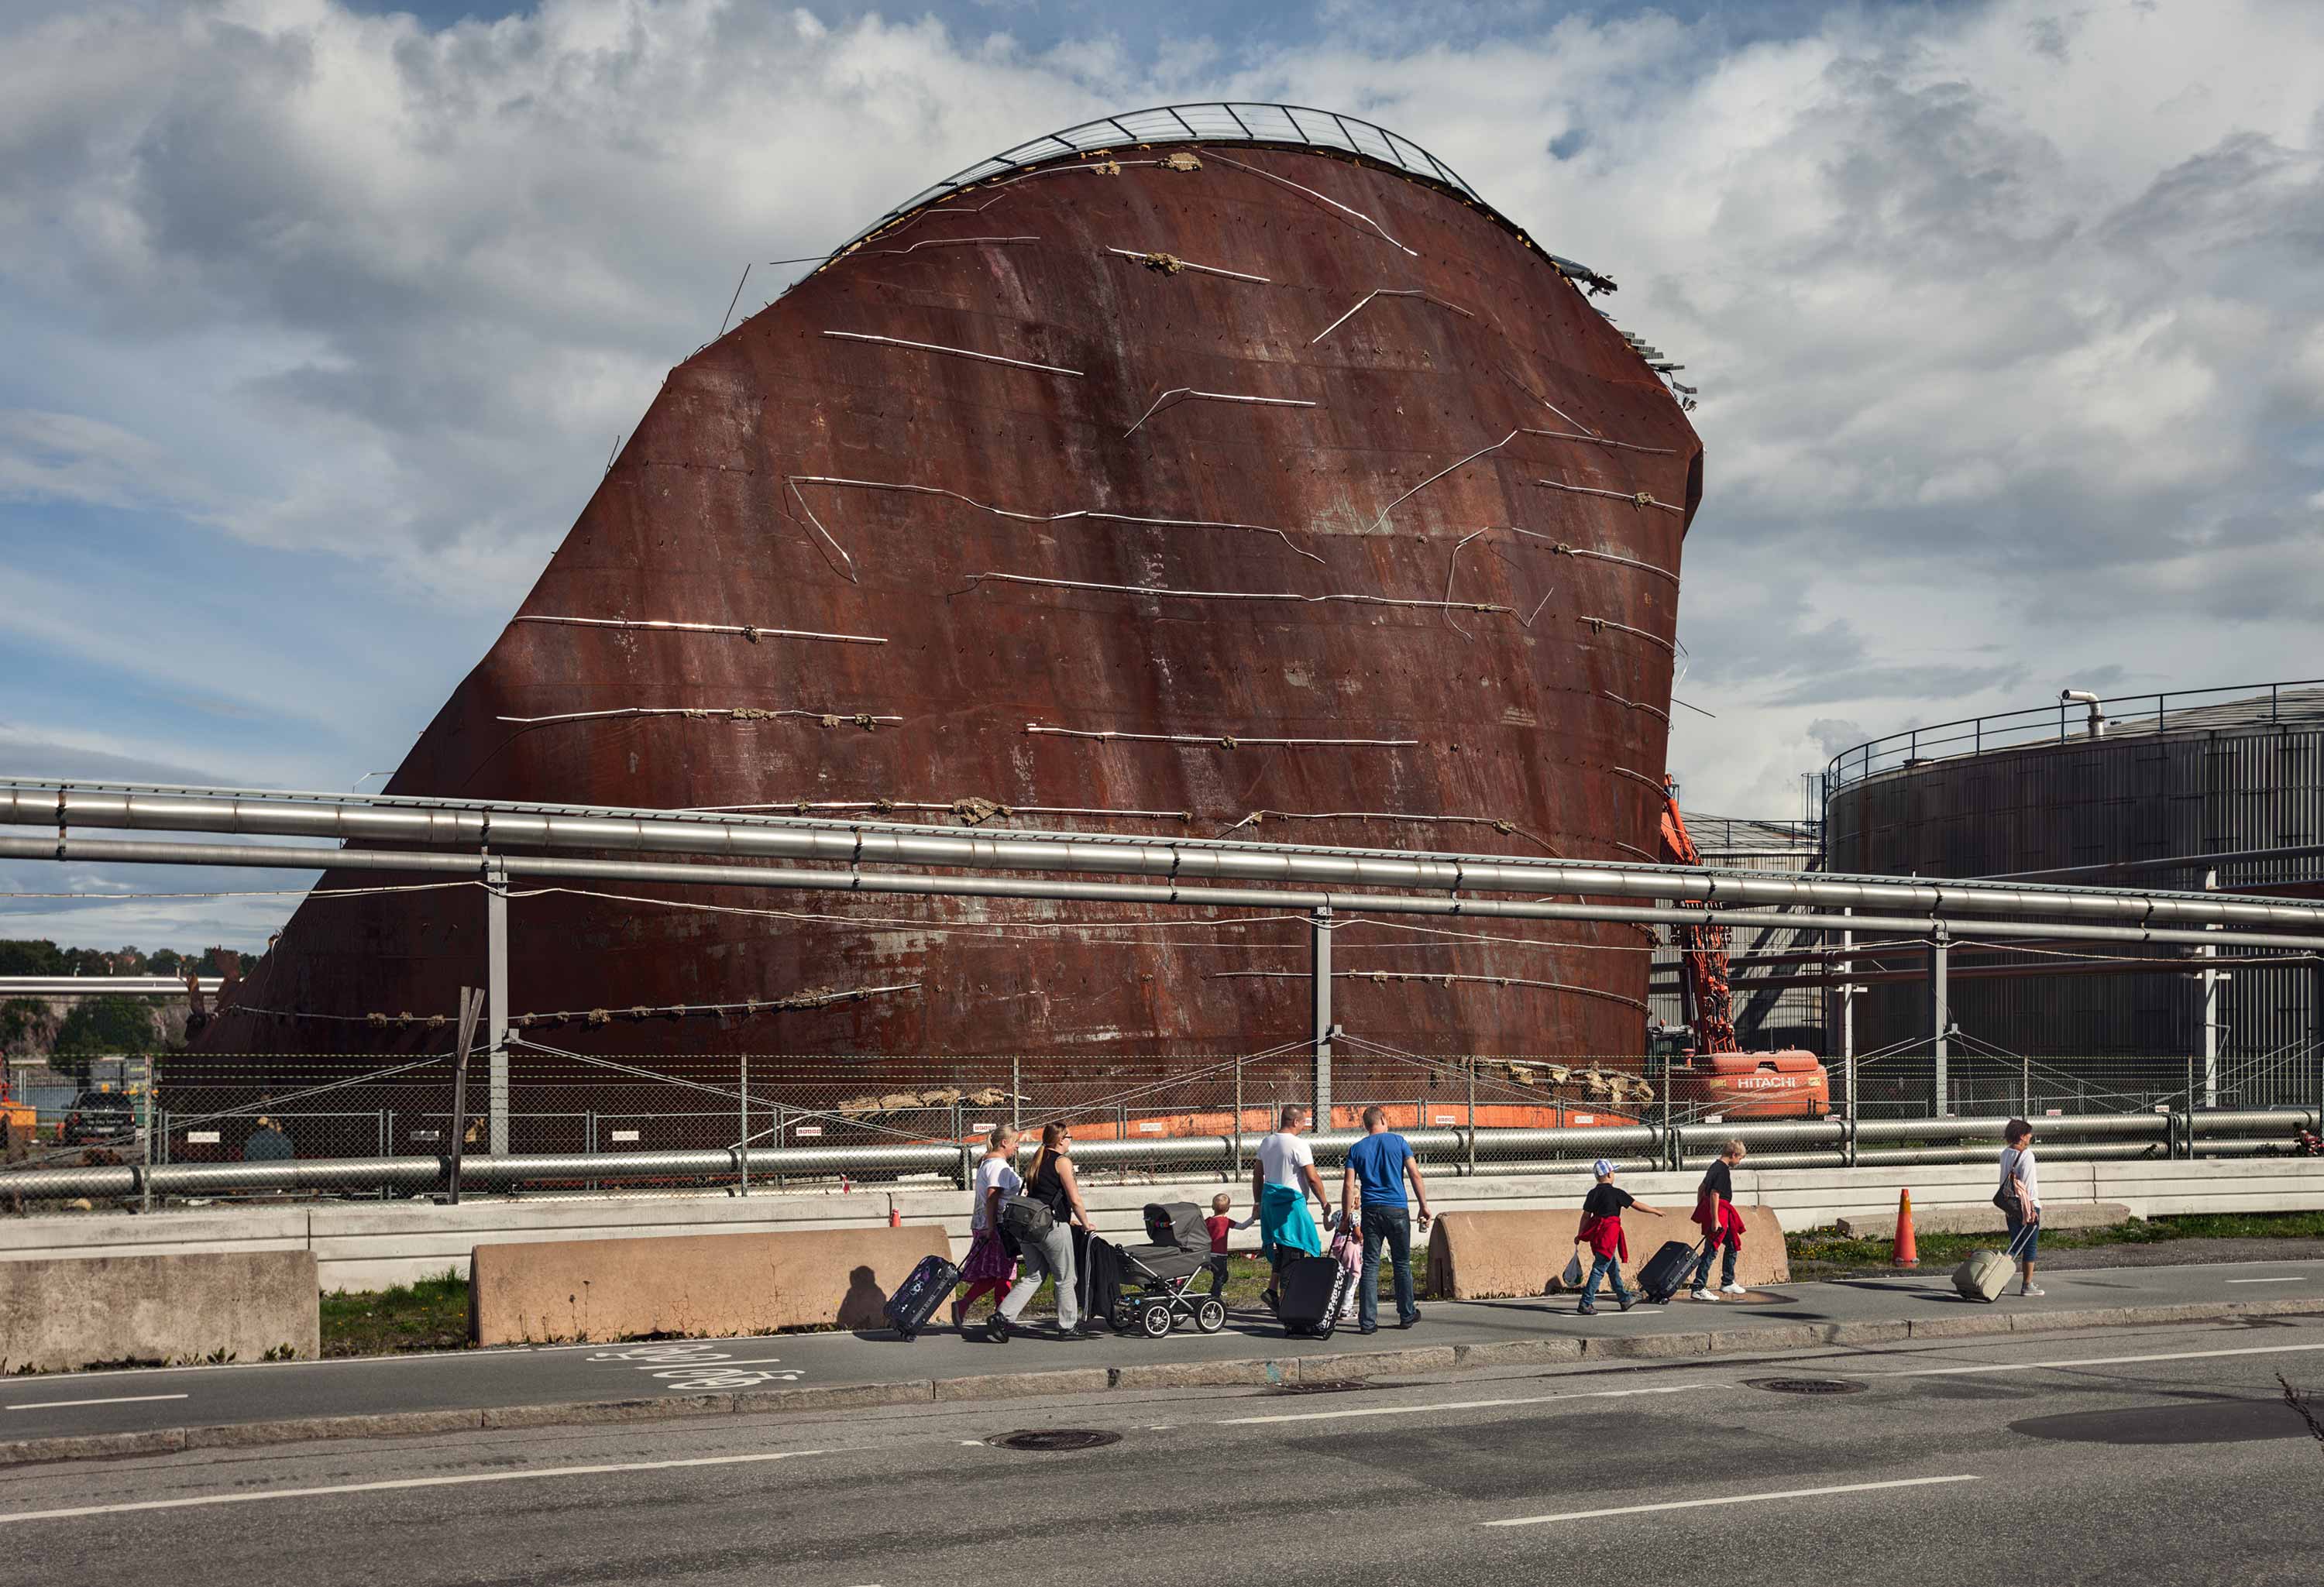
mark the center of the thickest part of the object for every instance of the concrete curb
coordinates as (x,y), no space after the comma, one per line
(1260,1372)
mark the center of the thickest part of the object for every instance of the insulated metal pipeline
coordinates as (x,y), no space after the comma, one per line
(1990,1129)
(446,823)
(281,857)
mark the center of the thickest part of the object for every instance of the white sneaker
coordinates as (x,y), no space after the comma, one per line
(1733,1289)
(2033,1290)
(1700,1295)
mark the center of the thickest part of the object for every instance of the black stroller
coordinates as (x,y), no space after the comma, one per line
(1156,1277)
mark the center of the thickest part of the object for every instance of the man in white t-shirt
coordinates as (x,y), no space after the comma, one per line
(1279,1185)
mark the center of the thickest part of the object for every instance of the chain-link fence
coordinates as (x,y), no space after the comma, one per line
(585,1123)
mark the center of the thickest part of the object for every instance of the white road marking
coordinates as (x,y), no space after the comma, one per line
(50,1405)
(2097,1360)
(2295,1278)
(717,1364)
(1640,1509)
(540,1471)
(1458,1405)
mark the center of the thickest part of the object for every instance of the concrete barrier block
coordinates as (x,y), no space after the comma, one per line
(840,1398)
(701,1286)
(1646,1344)
(61,1313)
(1025,1384)
(588,1413)
(1516,1352)
(1490,1255)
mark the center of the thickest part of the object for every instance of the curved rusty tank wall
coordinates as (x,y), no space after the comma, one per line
(1547,718)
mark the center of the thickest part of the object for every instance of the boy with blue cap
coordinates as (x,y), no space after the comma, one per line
(1602,1231)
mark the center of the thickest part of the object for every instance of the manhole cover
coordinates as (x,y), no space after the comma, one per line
(1807,1385)
(1054,1440)
(1339,1387)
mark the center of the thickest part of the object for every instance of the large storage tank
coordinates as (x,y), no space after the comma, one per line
(2132,791)
(1226,469)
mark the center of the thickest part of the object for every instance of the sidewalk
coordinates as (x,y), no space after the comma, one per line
(75,1415)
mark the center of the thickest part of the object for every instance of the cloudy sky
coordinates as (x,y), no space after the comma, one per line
(323,315)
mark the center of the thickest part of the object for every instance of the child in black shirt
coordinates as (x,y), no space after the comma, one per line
(1602,1231)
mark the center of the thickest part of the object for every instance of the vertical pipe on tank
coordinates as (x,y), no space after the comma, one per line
(1940,1020)
(2210,1012)
(496,995)
(1320,1020)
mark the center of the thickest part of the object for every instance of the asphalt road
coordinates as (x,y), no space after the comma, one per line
(67,1404)
(2153,1455)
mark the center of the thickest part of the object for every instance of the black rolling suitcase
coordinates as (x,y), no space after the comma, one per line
(1665,1270)
(917,1298)
(1309,1293)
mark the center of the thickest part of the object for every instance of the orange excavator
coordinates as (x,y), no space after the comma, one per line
(1713,1074)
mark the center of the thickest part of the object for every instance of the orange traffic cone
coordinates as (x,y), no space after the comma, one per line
(895,1218)
(1907,1254)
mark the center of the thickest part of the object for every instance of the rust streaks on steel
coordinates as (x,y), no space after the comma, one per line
(1097,515)
(864,719)
(1193,395)
(1437,978)
(975,812)
(750,631)
(1171,595)
(857,336)
(1174,264)
(1637,498)
(1224,741)
(1322,197)
(1389,293)
(1569,435)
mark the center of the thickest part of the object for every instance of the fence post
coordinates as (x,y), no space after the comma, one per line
(1016,1094)
(496,984)
(1847,1027)
(1234,1169)
(1472,1115)
(742,1143)
(1320,976)
(2315,1033)
(472,1004)
(1939,1017)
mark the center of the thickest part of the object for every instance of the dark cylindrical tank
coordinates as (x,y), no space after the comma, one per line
(2170,777)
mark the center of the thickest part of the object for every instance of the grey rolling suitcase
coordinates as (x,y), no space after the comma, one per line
(1986,1273)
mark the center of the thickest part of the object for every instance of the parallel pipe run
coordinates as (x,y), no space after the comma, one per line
(282,857)
(61,805)
(1501,1150)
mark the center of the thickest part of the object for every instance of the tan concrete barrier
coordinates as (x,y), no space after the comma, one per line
(698,1285)
(1481,1256)
(61,1313)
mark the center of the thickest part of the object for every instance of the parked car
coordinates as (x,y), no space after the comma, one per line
(99,1118)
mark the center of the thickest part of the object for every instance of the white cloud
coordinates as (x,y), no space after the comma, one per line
(2006,316)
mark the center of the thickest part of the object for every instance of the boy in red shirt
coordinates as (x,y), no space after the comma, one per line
(1219,1226)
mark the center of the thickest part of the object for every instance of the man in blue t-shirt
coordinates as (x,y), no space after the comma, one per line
(1379,1164)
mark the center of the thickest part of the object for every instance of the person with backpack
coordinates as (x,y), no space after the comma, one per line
(2019,1200)
(1380,1163)
(990,1266)
(1602,1231)
(1279,1182)
(1721,1224)
(1051,1188)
